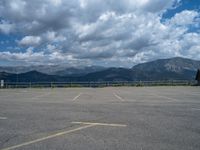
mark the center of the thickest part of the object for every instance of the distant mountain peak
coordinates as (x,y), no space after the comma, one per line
(173,63)
(33,72)
(163,69)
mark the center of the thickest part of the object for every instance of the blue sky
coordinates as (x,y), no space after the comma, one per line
(97,32)
(184,5)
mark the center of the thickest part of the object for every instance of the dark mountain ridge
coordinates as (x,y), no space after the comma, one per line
(162,69)
(60,70)
(176,64)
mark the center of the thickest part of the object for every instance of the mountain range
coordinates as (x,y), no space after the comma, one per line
(163,69)
(60,70)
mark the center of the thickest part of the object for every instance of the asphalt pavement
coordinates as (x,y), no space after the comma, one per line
(112,118)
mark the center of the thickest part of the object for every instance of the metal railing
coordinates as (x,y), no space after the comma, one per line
(97,84)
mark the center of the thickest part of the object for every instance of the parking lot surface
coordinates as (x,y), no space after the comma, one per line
(112,118)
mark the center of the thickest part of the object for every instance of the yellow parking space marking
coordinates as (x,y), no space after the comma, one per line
(76,97)
(118,97)
(3,118)
(86,125)
(42,95)
(100,124)
(48,137)
(195,108)
(172,99)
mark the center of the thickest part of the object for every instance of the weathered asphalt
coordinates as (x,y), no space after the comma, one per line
(144,118)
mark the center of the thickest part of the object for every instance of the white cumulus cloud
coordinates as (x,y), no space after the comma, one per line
(30,41)
(107,32)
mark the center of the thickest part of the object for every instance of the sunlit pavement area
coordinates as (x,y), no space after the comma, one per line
(114,118)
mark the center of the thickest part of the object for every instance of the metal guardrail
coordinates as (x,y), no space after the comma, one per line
(97,84)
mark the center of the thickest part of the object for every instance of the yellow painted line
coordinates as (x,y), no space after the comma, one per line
(42,95)
(100,124)
(118,97)
(48,137)
(76,97)
(195,108)
(3,118)
(172,99)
